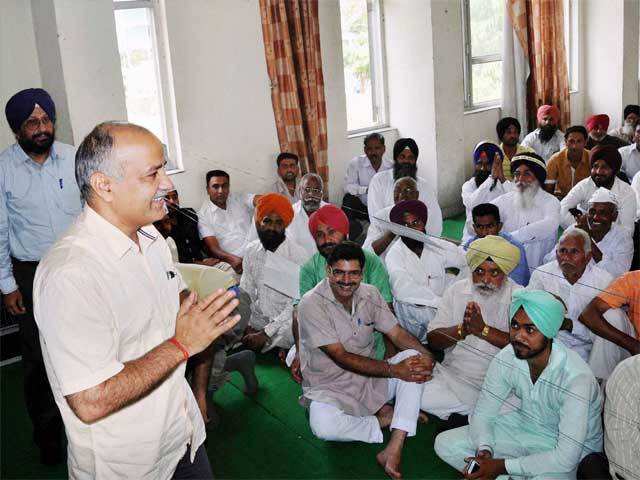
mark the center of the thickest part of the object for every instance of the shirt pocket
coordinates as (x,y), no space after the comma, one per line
(68,194)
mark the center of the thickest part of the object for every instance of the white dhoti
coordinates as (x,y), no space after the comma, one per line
(330,423)
(606,355)
(414,318)
(440,400)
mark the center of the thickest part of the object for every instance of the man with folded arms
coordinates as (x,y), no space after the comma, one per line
(558,421)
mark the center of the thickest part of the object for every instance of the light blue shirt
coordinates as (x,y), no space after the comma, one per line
(559,419)
(37,204)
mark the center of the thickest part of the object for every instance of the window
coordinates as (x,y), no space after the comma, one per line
(146,72)
(363,59)
(571,25)
(482,29)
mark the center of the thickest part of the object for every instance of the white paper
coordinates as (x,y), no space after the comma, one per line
(429,240)
(282,275)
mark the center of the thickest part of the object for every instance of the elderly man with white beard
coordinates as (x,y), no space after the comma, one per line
(528,212)
(576,280)
(472,325)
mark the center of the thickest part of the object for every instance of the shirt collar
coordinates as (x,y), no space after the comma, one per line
(115,241)
(53,154)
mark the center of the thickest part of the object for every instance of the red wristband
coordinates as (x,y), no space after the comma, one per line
(184,351)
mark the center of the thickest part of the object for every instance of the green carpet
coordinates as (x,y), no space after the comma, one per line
(265,436)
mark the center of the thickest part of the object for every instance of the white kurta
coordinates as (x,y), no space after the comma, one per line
(546,149)
(230,226)
(422,280)
(635,185)
(630,160)
(359,174)
(278,186)
(578,197)
(270,309)
(298,230)
(381,195)
(536,228)
(377,230)
(473,195)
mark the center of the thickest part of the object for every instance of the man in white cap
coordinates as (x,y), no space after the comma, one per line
(611,244)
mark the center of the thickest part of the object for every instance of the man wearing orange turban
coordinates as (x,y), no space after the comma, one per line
(597,126)
(271,311)
(547,139)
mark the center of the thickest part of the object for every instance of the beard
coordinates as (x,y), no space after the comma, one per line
(481,177)
(401,170)
(547,132)
(485,289)
(29,145)
(412,244)
(523,352)
(326,248)
(289,176)
(525,194)
(597,138)
(271,240)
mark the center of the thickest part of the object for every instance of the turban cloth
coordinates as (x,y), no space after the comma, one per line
(403,143)
(609,154)
(544,310)
(505,123)
(274,203)
(603,195)
(415,207)
(534,162)
(631,109)
(545,110)
(593,121)
(576,129)
(21,105)
(499,250)
(489,149)
(329,215)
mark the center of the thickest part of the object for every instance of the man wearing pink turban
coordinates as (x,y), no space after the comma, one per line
(597,126)
(547,139)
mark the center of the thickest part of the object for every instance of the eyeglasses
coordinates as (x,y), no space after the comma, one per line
(315,191)
(416,223)
(33,123)
(344,273)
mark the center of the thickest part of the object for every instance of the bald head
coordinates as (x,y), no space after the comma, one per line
(405,188)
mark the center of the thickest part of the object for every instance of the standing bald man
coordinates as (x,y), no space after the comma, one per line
(39,198)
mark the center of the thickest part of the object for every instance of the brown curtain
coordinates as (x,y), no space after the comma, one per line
(291,33)
(539,26)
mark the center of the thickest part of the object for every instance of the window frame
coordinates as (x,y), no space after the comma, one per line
(572,43)
(378,69)
(164,74)
(469,61)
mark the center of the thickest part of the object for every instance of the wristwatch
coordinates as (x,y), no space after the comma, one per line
(485,331)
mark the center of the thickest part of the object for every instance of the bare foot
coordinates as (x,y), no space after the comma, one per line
(423,417)
(385,415)
(390,463)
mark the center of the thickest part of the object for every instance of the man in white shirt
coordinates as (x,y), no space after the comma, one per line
(481,187)
(471,326)
(574,278)
(417,270)
(360,171)
(405,158)
(631,156)
(115,338)
(288,172)
(379,239)
(271,311)
(547,139)
(611,244)
(605,164)
(311,192)
(528,213)
(631,116)
(224,220)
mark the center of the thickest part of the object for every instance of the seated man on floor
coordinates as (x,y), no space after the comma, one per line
(481,187)
(270,324)
(360,171)
(486,221)
(181,225)
(624,292)
(631,156)
(576,280)
(528,213)
(405,164)
(311,192)
(611,244)
(379,239)
(224,220)
(605,163)
(288,171)
(597,126)
(547,139)
(630,117)
(471,326)
(417,271)
(570,165)
(558,421)
(508,130)
(344,386)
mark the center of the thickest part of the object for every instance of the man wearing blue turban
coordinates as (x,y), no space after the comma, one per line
(557,422)
(40,199)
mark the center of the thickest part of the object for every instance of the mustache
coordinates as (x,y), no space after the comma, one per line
(161,194)
(346,284)
(518,344)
